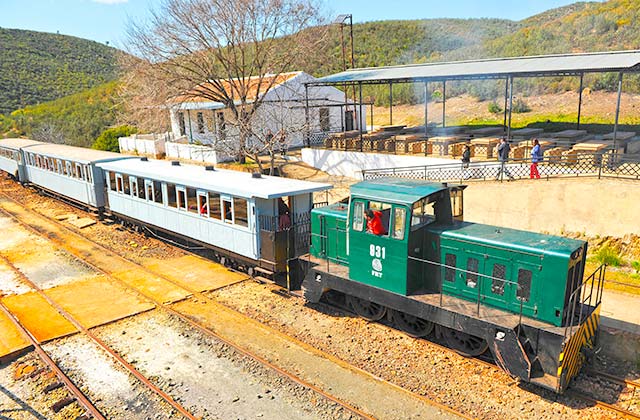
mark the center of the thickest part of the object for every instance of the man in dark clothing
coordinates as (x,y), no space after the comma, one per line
(503,149)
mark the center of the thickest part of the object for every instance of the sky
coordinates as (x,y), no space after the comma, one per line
(106,20)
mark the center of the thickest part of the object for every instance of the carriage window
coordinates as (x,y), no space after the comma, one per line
(203,204)
(226,211)
(87,173)
(112,181)
(497,283)
(450,269)
(125,184)
(192,202)
(69,171)
(141,183)
(358,216)
(171,195)
(119,186)
(182,198)
(134,186)
(472,272)
(78,171)
(399,216)
(524,285)
(157,192)
(422,213)
(240,207)
(214,206)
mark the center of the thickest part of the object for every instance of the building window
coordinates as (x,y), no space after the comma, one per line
(221,125)
(524,285)
(181,124)
(325,121)
(200,120)
(240,210)
(450,269)
(497,283)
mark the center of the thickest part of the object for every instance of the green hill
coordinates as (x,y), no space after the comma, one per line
(37,67)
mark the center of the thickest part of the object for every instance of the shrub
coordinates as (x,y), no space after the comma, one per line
(636,266)
(520,106)
(494,108)
(609,256)
(108,140)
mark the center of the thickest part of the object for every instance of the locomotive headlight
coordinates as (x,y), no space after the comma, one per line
(576,254)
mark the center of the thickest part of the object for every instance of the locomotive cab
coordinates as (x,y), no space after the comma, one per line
(405,210)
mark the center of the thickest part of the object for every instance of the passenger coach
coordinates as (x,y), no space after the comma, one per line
(11,158)
(249,218)
(68,171)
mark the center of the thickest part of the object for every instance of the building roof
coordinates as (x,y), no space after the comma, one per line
(405,191)
(235,183)
(256,88)
(18,143)
(77,154)
(545,65)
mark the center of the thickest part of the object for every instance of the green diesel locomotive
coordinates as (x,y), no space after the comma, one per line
(401,249)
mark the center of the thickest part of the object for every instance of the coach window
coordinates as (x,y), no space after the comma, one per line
(203,204)
(141,182)
(119,186)
(134,186)
(78,171)
(171,195)
(192,201)
(227,210)
(182,198)
(59,165)
(86,173)
(125,184)
(240,215)
(214,206)
(112,180)
(69,169)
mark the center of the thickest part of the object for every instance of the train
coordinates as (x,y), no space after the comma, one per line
(521,298)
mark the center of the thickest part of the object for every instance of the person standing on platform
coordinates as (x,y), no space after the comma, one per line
(536,157)
(503,149)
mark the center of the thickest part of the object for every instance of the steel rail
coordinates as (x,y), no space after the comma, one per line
(614,378)
(78,394)
(184,318)
(625,413)
(98,341)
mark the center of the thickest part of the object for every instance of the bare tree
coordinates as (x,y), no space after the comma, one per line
(48,132)
(226,51)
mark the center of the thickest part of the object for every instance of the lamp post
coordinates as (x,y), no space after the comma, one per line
(342,21)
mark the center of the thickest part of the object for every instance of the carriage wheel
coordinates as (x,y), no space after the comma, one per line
(412,325)
(464,344)
(368,310)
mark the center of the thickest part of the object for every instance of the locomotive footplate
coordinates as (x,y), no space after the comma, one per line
(530,350)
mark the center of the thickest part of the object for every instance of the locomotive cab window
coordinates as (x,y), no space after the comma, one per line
(456,203)
(378,223)
(358,216)
(399,217)
(422,213)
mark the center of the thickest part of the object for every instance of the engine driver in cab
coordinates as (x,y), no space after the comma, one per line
(374,222)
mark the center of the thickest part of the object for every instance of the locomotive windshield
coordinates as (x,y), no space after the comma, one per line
(422,213)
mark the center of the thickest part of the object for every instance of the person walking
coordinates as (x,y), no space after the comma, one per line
(503,149)
(466,160)
(536,156)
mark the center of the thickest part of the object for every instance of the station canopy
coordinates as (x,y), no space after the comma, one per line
(499,68)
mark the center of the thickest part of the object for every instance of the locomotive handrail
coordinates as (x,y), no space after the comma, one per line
(575,299)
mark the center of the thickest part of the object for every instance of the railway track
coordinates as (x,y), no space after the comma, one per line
(200,296)
(126,365)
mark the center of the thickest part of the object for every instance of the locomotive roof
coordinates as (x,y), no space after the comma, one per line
(532,242)
(18,143)
(236,183)
(396,189)
(76,154)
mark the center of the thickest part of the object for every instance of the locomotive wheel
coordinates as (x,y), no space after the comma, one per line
(368,310)
(464,344)
(413,326)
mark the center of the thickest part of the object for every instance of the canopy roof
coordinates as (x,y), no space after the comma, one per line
(499,68)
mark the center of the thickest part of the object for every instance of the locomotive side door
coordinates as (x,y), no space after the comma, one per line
(525,275)
(495,287)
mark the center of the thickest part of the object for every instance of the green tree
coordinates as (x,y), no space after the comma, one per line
(108,140)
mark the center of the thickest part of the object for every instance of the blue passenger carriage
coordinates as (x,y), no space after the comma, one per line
(248,219)
(68,171)
(11,157)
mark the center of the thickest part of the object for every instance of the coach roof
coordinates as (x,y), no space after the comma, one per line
(236,183)
(76,154)
(18,143)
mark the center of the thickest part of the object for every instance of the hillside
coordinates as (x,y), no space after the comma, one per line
(37,67)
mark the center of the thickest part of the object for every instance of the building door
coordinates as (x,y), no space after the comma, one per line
(348,121)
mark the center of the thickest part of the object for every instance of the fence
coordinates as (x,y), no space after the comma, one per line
(598,165)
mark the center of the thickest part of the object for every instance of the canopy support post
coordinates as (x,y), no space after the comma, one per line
(615,126)
(506,99)
(360,116)
(426,110)
(510,107)
(307,129)
(580,100)
(390,103)
(444,103)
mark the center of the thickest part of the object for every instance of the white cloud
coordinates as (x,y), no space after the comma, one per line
(110,1)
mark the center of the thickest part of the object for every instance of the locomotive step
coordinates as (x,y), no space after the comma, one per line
(263,280)
(264,271)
